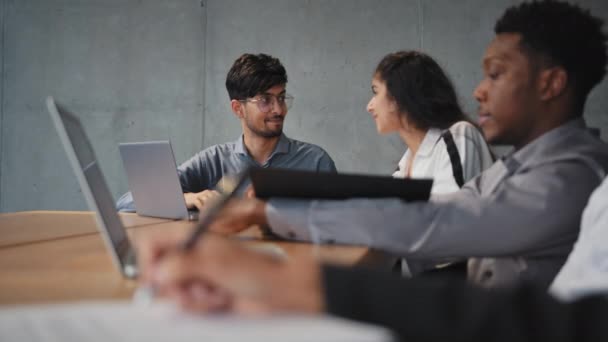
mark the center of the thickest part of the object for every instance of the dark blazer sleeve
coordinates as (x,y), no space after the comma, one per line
(449,310)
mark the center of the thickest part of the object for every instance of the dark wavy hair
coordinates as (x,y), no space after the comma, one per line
(560,34)
(421,89)
(254,74)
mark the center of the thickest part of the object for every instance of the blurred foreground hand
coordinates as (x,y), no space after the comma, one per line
(220,275)
(238,215)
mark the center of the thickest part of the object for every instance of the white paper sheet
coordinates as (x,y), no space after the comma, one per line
(123,321)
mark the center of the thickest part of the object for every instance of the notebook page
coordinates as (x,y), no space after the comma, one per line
(123,321)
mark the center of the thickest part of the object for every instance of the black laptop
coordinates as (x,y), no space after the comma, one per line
(269,183)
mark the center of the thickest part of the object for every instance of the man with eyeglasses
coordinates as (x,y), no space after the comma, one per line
(256,86)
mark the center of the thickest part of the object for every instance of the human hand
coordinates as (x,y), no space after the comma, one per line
(238,215)
(249,192)
(222,275)
(200,199)
(151,248)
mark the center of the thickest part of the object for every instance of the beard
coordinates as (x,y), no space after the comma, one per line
(265,133)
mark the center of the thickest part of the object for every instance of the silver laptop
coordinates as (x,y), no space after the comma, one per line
(153,180)
(94,188)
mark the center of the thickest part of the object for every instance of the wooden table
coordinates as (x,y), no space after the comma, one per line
(48,256)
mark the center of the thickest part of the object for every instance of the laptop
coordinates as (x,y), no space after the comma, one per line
(94,188)
(98,197)
(269,183)
(153,180)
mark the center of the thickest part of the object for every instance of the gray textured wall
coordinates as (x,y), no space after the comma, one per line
(155,69)
(133,70)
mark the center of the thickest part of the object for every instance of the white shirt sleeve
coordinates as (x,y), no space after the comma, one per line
(586,270)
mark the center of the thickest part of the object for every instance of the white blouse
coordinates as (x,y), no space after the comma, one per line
(433,161)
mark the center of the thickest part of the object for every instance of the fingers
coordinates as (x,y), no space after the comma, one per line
(250,192)
(175,270)
(179,277)
(199,203)
(207,196)
(189,197)
(259,282)
(220,274)
(242,271)
(152,247)
(231,219)
(239,215)
(200,199)
(216,263)
(201,297)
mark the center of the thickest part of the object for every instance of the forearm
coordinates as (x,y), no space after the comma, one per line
(524,216)
(439,311)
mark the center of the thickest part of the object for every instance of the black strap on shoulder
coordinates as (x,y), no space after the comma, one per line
(454,157)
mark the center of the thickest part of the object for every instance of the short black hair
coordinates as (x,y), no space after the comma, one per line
(254,74)
(421,89)
(563,34)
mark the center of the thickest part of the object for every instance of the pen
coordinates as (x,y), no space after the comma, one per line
(144,295)
(228,190)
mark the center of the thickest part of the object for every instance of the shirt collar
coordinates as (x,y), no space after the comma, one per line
(281,148)
(239,146)
(539,144)
(431,138)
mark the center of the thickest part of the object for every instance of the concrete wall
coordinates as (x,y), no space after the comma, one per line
(133,70)
(155,69)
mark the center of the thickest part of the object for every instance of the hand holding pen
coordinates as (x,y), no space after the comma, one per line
(223,275)
(213,273)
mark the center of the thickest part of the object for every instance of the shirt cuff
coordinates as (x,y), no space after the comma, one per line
(125,203)
(289,218)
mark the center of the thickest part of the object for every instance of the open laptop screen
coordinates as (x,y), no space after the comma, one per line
(153,179)
(85,165)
